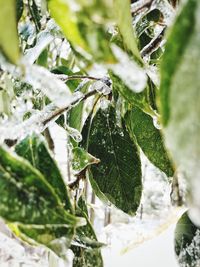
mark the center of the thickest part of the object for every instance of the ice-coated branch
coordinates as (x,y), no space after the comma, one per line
(140,6)
(40,121)
(153,45)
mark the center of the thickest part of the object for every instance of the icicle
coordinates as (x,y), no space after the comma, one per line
(74,133)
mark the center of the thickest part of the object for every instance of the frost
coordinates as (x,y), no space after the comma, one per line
(43,40)
(103,86)
(131,74)
(52,87)
(190,256)
(74,133)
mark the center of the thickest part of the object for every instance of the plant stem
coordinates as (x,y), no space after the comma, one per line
(62,110)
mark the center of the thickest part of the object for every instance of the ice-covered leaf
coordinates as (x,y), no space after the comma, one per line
(56,237)
(44,38)
(86,251)
(149,138)
(81,159)
(133,76)
(64,16)
(187,242)
(118,175)
(174,54)
(42,79)
(8,36)
(26,196)
(85,25)
(138,99)
(34,149)
(182,131)
(124,22)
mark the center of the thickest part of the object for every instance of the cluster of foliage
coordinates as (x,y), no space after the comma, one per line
(49,50)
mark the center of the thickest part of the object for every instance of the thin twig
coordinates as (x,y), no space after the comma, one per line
(80,176)
(65,78)
(62,110)
(49,139)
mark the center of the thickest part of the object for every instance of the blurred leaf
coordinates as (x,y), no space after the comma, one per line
(34,149)
(81,159)
(124,22)
(8,36)
(58,238)
(61,11)
(118,175)
(86,251)
(187,245)
(33,199)
(175,49)
(149,138)
(182,128)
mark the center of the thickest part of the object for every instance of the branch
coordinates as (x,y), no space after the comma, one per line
(65,78)
(80,176)
(60,111)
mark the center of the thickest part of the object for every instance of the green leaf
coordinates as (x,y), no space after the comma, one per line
(149,139)
(187,242)
(8,36)
(124,22)
(61,11)
(175,49)
(85,28)
(118,175)
(19,8)
(182,131)
(138,99)
(86,251)
(58,238)
(81,159)
(34,149)
(33,199)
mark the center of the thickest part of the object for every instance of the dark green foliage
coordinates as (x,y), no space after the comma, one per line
(34,149)
(149,138)
(118,174)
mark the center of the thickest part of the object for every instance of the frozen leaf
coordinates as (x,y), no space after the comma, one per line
(149,138)
(174,52)
(138,99)
(87,253)
(187,242)
(81,159)
(133,76)
(124,22)
(8,37)
(180,90)
(44,38)
(63,14)
(52,236)
(85,25)
(34,149)
(118,175)
(33,200)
